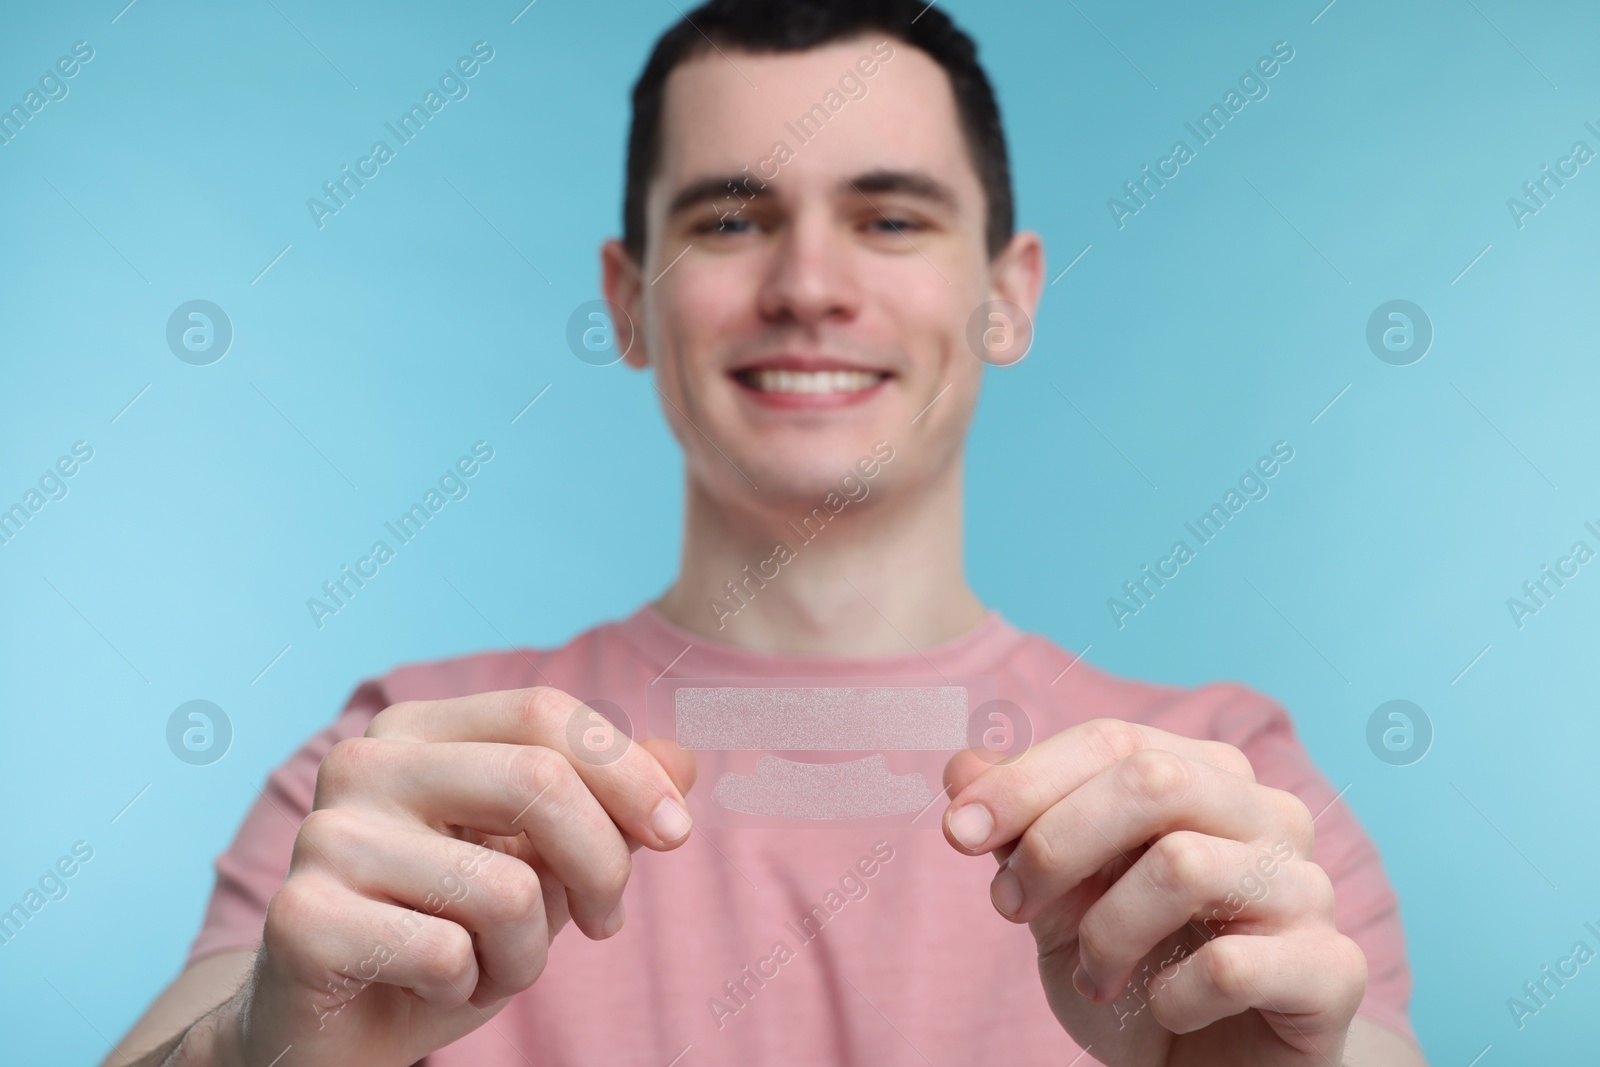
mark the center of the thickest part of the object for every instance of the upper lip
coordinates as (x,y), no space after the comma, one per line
(795,361)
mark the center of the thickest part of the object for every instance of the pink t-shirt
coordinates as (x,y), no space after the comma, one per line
(920,969)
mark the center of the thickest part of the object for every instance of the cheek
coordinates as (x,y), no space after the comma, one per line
(935,337)
(917,306)
(928,301)
(690,325)
(707,303)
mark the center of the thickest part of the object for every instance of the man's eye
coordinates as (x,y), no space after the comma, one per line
(729,224)
(894,225)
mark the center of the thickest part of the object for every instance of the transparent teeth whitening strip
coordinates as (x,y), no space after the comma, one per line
(771,719)
(835,719)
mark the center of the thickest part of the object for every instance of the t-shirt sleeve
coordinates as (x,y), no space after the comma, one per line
(256,863)
(1366,908)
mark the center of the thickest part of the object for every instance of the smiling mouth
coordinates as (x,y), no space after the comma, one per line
(810,383)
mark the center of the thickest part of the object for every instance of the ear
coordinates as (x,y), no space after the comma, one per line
(621,280)
(1017,272)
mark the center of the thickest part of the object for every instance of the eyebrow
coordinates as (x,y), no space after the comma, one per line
(910,182)
(716,187)
(725,186)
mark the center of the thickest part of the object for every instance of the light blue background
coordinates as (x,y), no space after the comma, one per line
(1220,319)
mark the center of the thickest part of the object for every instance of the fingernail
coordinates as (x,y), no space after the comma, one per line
(971,824)
(1006,892)
(1083,983)
(613,921)
(669,820)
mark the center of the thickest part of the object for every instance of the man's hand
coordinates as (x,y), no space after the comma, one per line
(1179,918)
(444,851)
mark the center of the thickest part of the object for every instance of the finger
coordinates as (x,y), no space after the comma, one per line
(1000,803)
(495,789)
(373,942)
(679,763)
(633,787)
(1208,883)
(497,898)
(1150,794)
(962,769)
(1306,985)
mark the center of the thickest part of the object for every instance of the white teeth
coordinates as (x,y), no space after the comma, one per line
(825,381)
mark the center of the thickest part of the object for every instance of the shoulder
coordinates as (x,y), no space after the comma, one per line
(1068,687)
(570,666)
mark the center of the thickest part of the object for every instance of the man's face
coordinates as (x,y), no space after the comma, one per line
(820,304)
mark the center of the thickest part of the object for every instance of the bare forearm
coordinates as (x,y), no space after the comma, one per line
(1372,1044)
(213,1040)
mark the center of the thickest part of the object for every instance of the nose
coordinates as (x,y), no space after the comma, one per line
(809,279)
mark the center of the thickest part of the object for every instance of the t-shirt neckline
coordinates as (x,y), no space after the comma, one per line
(693,655)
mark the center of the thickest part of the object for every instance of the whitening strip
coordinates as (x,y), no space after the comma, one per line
(841,719)
(860,789)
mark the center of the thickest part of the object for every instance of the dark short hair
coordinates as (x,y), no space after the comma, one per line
(785,26)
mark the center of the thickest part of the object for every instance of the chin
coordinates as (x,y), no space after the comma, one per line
(806,473)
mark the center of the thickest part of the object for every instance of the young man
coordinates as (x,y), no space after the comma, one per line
(818,200)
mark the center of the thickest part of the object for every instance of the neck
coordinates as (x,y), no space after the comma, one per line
(882,576)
